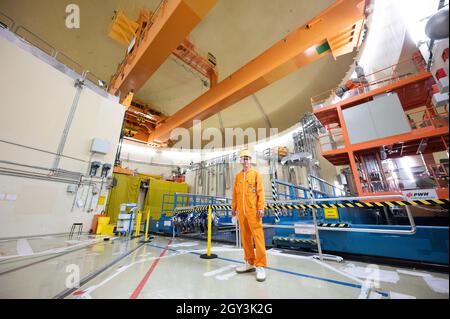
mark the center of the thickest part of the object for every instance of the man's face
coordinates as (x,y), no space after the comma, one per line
(245,161)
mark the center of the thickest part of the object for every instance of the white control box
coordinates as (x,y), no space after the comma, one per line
(100,146)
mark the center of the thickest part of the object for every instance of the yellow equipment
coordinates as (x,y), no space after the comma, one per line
(122,28)
(103,226)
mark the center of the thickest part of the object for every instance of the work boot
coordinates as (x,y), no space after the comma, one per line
(260,274)
(245,268)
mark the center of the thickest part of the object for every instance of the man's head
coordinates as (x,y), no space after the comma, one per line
(246,158)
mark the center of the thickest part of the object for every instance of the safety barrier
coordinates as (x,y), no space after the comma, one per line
(296,240)
(333,225)
(352,204)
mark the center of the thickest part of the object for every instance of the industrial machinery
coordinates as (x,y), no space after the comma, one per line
(128,212)
(193,222)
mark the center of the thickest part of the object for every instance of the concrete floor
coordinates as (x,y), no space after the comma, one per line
(44,267)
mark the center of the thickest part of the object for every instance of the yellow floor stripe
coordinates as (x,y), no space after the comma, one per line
(400,203)
(425,202)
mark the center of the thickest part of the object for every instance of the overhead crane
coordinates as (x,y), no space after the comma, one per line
(157,38)
(337,30)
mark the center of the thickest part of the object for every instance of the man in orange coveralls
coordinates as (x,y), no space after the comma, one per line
(248,203)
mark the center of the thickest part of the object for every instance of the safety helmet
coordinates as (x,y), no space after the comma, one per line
(245,152)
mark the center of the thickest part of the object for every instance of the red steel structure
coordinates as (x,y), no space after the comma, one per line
(429,131)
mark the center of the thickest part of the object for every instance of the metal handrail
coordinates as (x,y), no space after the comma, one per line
(54,53)
(36,36)
(411,231)
(10,19)
(322,97)
(59,53)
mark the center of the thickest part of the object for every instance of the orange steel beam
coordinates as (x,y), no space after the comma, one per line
(186,52)
(168,27)
(337,30)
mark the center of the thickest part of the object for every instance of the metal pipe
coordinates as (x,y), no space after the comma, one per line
(79,85)
(316,230)
(356,230)
(40,150)
(330,199)
(36,176)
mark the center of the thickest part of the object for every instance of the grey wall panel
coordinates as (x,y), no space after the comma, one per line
(376,119)
(388,116)
(359,124)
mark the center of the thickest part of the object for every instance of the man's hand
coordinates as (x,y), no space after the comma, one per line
(260,213)
(233,213)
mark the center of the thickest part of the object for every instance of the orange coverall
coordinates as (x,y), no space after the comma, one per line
(248,198)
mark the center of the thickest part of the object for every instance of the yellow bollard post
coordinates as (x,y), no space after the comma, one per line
(146,227)
(208,254)
(138,224)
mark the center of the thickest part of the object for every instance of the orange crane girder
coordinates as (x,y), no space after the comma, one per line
(337,30)
(168,27)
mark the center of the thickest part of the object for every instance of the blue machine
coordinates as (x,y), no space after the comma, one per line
(429,244)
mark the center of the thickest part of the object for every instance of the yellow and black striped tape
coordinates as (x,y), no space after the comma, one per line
(354,204)
(333,225)
(296,240)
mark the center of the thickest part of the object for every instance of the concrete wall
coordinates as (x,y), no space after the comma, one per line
(36,99)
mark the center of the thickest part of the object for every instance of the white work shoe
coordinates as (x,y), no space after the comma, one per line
(245,268)
(260,274)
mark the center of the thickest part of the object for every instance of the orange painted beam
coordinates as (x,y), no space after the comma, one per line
(170,25)
(336,30)
(414,135)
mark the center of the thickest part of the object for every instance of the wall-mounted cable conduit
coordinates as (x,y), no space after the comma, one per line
(79,84)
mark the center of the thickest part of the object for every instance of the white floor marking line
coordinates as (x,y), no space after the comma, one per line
(396,295)
(439,285)
(86,293)
(413,273)
(54,250)
(73,241)
(218,271)
(187,244)
(226,276)
(44,237)
(24,248)
(365,272)
(339,271)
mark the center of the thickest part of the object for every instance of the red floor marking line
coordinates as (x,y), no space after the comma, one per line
(141,285)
